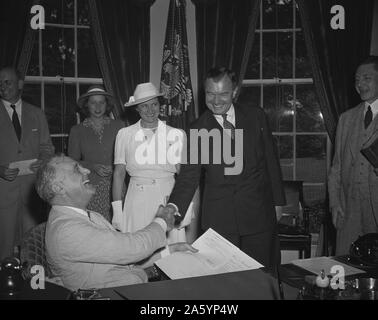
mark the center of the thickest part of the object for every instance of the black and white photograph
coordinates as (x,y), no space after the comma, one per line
(188,155)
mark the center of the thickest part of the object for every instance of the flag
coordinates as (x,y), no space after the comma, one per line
(178,107)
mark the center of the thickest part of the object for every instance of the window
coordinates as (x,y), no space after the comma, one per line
(63,65)
(278,78)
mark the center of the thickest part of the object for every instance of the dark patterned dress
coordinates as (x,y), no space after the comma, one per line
(90,146)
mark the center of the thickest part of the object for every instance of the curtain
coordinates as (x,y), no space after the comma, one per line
(178,109)
(16,35)
(225,32)
(335,54)
(121,32)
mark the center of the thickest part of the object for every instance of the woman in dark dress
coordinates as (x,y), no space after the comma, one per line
(92,143)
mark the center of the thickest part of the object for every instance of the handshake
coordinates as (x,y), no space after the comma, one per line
(167,213)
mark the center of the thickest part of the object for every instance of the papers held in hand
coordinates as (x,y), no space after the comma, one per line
(23,166)
(370,151)
(215,255)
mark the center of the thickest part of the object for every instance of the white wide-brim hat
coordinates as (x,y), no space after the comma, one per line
(143,92)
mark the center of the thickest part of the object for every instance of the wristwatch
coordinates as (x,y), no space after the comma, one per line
(152,273)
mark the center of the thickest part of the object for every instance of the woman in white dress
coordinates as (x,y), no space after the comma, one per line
(150,153)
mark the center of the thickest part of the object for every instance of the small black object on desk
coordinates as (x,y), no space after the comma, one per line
(11,281)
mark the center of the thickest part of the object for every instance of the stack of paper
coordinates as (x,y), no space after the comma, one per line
(215,255)
(329,265)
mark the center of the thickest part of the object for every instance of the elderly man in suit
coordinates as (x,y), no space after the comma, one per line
(24,135)
(352,182)
(238,205)
(82,247)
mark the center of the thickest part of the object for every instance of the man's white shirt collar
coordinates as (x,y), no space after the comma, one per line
(8,108)
(373,106)
(78,210)
(230,116)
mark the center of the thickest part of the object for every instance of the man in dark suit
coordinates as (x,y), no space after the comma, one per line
(24,135)
(238,205)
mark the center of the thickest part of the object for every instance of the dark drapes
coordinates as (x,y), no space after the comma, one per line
(335,54)
(16,35)
(121,32)
(225,31)
(334,57)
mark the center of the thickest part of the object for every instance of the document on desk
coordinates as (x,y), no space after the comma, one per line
(317,264)
(23,166)
(215,255)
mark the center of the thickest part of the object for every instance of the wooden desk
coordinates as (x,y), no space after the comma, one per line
(243,285)
(51,292)
(295,276)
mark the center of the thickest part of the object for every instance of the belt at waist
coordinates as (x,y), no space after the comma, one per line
(148,181)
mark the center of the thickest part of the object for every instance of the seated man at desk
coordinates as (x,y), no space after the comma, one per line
(82,247)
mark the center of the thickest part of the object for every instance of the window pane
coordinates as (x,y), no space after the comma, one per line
(59,11)
(278,14)
(83,88)
(311,158)
(250,96)
(285,152)
(58,52)
(314,194)
(269,14)
(298,22)
(82,12)
(32,94)
(253,67)
(87,59)
(309,118)
(302,62)
(285,149)
(60,107)
(277,55)
(278,105)
(33,68)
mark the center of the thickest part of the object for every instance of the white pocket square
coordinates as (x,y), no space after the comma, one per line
(34,130)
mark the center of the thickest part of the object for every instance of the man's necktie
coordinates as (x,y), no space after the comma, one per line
(368,117)
(228,125)
(16,122)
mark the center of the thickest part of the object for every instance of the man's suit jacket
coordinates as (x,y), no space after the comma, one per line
(87,252)
(341,177)
(35,143)
(240,204)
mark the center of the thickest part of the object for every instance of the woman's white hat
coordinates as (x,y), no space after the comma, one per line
(143,92)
